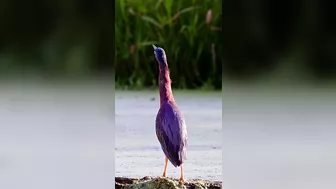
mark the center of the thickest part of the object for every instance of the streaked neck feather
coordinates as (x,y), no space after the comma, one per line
(166,93)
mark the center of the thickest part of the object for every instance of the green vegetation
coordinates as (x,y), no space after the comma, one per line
(55,38)
(74,38)
(190,32)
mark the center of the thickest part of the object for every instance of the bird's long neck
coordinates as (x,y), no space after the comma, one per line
(165,85)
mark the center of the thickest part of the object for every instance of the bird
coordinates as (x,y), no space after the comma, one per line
(170,125)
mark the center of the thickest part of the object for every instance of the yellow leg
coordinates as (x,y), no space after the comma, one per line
(182,175)
(165,168)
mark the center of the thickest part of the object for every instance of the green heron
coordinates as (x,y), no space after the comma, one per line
(171,129)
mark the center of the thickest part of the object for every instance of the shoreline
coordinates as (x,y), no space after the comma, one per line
(168,183)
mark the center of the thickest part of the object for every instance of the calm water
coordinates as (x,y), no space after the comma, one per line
(61,136)
(279,138)
(56,136)
(138,152)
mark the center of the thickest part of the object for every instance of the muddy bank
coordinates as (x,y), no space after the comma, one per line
(164,183)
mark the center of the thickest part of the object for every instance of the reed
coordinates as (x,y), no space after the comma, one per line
(190,32)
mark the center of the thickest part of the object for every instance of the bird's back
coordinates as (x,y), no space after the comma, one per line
(171,132)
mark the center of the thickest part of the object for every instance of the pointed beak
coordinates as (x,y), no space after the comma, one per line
(154,47)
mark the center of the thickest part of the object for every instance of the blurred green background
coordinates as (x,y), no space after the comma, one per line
(261,40)
(56,38)
(286,40)
(190,32)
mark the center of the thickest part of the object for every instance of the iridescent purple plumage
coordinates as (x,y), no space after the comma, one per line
(171,132)
(171,129)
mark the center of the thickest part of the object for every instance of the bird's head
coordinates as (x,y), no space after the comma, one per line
(160,55)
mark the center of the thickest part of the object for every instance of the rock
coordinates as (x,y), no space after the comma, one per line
(164,183)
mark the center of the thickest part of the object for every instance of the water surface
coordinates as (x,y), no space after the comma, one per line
(138,152)
(279,138)
(56,136)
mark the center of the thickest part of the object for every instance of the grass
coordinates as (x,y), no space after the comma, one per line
(191,39)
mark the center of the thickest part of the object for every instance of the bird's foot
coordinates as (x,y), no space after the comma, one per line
(181,179)
(164,175)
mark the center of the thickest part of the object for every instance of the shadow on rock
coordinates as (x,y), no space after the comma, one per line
(164,183)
